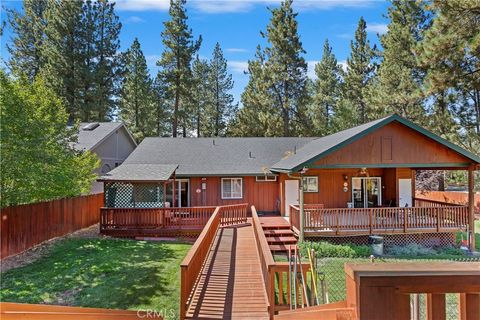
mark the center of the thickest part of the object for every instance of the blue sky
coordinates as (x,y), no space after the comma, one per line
(236,25)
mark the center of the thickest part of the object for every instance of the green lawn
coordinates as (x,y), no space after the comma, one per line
(104,273)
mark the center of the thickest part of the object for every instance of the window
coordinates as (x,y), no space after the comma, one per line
(265,178)
(232,188)
(145,193)
(310,184)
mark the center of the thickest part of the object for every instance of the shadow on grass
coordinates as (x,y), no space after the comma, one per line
(106,273)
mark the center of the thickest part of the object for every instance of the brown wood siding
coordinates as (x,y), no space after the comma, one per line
(263,195)
(330,185)
(407,147)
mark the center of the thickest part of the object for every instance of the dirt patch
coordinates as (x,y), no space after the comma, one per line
(43,248)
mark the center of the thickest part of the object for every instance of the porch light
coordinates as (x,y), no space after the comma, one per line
(304,170)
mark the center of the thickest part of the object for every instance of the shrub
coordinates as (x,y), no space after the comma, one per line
(325,249)
(411,250)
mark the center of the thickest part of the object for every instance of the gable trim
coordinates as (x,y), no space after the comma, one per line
(407,123)
(121,125)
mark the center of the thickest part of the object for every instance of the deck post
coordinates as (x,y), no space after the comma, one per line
(302,212)
(471,208)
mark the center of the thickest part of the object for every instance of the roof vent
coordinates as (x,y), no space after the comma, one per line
(91,126)
(250,155)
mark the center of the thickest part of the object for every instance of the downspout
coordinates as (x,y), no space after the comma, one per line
(301,236)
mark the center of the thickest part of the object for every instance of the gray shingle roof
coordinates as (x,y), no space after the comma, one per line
(89,139)
(140,172)
(215,156)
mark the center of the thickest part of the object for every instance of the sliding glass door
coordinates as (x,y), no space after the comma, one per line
(182,193)
(367,192)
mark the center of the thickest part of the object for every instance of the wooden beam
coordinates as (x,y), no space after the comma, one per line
(471,207)
(469,306)
(436,307)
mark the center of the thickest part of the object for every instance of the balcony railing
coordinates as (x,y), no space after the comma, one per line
(131,222)
(425,218)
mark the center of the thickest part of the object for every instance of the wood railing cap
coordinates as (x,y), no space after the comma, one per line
(412,269)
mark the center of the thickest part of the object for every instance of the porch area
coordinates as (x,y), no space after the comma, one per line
(425,216)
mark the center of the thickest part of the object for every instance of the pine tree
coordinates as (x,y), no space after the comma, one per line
(398,86)
(201,97)
(137,101)
(277,89)
(360,70)
(163,125)
(258,117)
(450,51)
(64,61)
(222,109)
(26,57)
(175,63)
(327,91)
(107,67)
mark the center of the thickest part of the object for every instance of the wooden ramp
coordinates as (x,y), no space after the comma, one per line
(231,284)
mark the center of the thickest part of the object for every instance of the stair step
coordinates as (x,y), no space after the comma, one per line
(276,227)
(278,248)
(279,232)
(281,240)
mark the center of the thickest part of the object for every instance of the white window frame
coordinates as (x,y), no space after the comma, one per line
(305,184)
(231,191)
(266,178)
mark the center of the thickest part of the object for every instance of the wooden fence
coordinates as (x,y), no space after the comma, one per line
(450,197)
(27,225)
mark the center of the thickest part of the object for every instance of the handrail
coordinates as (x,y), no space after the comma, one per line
(266,261)
(382,219)
(192,264)
(233,214)
(418,203)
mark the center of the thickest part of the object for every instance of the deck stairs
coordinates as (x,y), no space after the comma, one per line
(279,233)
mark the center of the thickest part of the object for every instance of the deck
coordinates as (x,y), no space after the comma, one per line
(231,284)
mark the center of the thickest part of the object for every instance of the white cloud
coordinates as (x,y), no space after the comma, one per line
(236,50)
(379,28)
(134,19)
(225,6)
(238,66)
(142,5)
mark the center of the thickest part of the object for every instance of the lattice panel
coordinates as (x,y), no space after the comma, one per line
(424,239)
(133,195)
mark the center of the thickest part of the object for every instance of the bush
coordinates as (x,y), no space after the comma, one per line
(325,249)
(411,250)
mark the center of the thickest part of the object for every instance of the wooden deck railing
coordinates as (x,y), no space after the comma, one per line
(234,214)
(191,266)
(381,220)
(266,261)
(392,283)
(427,203)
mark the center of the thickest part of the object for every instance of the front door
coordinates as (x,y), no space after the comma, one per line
(366,192)
(405,192)
(291,194)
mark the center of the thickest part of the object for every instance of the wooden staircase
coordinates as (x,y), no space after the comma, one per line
(278,232)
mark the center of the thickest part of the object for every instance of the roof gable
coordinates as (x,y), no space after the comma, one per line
(325,146)
(90,139)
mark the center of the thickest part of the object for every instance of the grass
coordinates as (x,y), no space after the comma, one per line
(102,273)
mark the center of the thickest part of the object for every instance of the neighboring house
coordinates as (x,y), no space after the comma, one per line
(110,141)
(355,182)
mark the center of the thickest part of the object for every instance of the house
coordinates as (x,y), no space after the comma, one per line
(110,141)
(353,183)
